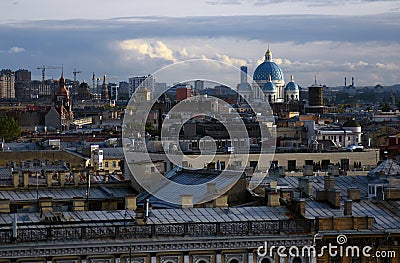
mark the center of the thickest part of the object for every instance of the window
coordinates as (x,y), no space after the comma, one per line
(234,260)
(296,260)
(106,164)
(266,260)
(114,164)
(292,165)
(371,190)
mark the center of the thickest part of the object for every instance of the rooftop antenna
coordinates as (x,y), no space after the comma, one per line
(315,80)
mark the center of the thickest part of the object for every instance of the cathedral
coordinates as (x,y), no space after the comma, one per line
(60,115)
(269,77)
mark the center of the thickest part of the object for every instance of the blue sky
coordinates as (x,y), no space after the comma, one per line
(331,39)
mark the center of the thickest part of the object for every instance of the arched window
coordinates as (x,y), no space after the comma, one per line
(201,261)
(269,98)
(234,260)
(292,97)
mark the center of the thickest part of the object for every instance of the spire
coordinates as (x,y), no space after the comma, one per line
(315,80)
(291,78)
(104,79)
(268,55)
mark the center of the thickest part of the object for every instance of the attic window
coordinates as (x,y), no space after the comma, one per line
(371,190)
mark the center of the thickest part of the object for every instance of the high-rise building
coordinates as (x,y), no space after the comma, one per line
(7,84)
(104,90)
(199,85)
(113,90)
(123,91)
(315,93)
(23,84)
(146,81)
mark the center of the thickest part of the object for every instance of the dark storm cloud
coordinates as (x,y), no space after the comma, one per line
(297,28)
(85,44)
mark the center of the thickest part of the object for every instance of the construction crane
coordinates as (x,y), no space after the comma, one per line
(76,72)
(43,68)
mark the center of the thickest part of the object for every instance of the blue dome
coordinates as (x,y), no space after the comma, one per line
(292,86)
(244,86)
(268,68)
(269,86)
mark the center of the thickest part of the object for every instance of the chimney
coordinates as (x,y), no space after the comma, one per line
(78,204)
(299,206)
(4,206)
(221,201)
(76,177)
(306,186)
(211,188)
(186,201)
(333,197)
(329,182)
(273,184)
(348,207)
(354,193)
(46,204)
(140,216)
(273,199)
(26,179)
(130,202)
(15,175)
(49,178)
(62,178)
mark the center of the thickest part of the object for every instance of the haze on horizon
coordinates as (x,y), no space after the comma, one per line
(333,39)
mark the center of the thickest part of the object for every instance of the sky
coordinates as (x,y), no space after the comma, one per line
(329,39)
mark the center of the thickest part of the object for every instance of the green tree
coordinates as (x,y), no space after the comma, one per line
(149,128)
(385,107)
(9,129)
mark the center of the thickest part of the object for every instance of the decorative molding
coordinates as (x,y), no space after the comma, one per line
(117,247)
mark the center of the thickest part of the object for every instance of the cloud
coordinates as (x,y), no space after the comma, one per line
(390,66)
(157,49)
(231,61)
(303,45)
(16,50)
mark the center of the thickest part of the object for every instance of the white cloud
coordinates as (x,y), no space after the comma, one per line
(16,50)
(390,66)
(231,61)
(157,49)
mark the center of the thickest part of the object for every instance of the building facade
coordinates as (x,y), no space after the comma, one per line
(7,84)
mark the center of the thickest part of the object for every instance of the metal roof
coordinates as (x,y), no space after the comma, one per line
(66,193)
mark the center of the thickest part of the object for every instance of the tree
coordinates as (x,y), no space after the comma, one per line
(385,107)
(9,128)
(149,128)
